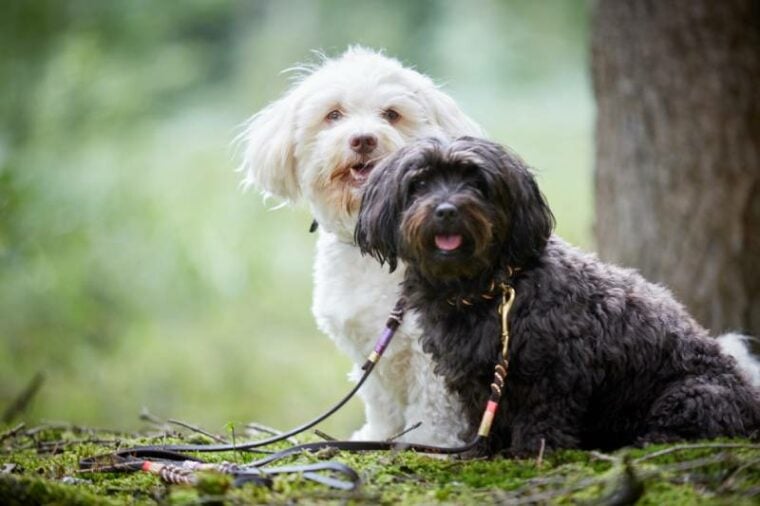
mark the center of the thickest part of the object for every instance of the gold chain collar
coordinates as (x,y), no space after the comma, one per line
(490,293)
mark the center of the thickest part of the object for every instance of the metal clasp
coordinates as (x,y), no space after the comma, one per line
(507,298)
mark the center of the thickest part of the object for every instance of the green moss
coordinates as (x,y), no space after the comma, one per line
(214,484)
(183,495)
(45,470)
(660,493)
(26,490)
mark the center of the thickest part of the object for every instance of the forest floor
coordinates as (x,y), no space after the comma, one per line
(41,465)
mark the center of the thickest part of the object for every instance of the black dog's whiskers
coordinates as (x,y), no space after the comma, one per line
(599,357)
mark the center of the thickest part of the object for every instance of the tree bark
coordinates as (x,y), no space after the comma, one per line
(677,177)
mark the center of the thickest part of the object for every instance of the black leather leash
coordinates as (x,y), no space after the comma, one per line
(173,465)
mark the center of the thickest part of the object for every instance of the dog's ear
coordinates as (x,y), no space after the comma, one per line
(530,220)
(447,115)
(377,231)
(269,162)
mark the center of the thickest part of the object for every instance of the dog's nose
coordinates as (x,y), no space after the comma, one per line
(446,211)
(363,144)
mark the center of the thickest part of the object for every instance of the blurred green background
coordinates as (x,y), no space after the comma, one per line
(135,273)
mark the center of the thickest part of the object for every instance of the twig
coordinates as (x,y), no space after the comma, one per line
(624,488)
(56,425)
(551,494)
(540,457)
(730,480)
(147,416)
(604,457)
(198,430)
(404,432)
(21,402)
(324,435)
(673,449)
(54,446)
(515,497)
(542,481)
(269,430)
(688,465)
(12,432)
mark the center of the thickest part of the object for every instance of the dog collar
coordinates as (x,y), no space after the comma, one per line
(470,300)
(494,289)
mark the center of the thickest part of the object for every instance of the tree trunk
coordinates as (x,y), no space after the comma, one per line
(677,85)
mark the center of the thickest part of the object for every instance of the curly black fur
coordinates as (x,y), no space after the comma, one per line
(599,357)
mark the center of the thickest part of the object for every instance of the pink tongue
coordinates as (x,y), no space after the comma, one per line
(448,242)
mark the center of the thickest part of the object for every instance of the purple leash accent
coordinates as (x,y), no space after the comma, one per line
(384,340)
(391,326)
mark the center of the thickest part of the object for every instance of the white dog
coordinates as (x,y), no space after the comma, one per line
(318,143)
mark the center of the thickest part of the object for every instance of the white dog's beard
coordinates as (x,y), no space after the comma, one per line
(342,190)
(335,197)
(335,183)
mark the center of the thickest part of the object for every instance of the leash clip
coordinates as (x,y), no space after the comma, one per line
(507,298)
(500,370)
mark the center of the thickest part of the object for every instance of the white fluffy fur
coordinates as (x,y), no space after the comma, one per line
(735,345)
(293,151)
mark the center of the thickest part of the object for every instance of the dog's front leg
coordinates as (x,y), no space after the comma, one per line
(429,402)
(543,427)
(382,408)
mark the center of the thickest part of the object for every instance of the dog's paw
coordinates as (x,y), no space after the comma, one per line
(518,454)
(368,433)
(656,438)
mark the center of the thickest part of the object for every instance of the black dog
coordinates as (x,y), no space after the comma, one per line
(599,357)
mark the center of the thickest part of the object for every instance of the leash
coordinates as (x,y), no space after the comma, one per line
(391,326)
(173,465)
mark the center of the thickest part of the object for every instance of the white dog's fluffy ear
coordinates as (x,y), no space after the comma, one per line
(269,161)
(448,116)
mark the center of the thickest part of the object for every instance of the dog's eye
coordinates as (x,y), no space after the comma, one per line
(391,115)
(334,115)
(417,186)
(482,187)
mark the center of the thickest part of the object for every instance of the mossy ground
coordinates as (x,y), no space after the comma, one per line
(40,466)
